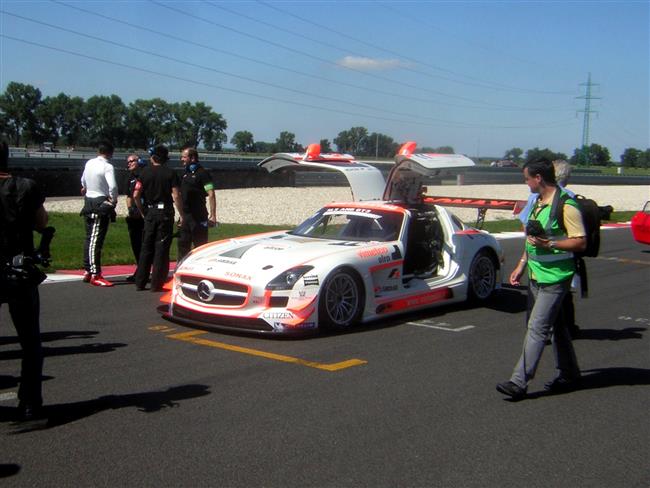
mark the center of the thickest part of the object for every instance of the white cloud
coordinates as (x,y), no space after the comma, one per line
(370,64)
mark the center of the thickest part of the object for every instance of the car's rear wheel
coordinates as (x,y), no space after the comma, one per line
(341,300)
(482,277)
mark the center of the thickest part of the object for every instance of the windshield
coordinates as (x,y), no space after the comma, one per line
(352,224)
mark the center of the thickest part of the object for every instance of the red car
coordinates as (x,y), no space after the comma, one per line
(641,225)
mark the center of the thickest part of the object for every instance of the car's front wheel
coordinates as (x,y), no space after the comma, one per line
(341,300)
(482,277)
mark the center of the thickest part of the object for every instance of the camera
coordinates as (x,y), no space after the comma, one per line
(534,228)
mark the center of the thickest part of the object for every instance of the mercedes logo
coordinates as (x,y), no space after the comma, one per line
(204,290)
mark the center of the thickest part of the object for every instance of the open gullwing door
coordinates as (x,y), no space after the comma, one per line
(366,181)
(411,170)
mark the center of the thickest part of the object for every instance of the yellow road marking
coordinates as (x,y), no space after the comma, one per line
(192,337)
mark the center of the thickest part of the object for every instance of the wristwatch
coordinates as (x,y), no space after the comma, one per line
(551,245)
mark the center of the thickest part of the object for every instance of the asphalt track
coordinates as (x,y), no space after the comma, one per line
(132,400)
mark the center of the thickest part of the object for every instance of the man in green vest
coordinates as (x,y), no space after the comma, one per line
(548,256)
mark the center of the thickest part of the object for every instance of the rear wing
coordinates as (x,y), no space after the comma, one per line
(481,204)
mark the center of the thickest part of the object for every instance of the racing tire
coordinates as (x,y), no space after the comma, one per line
(482,278)
(341,300)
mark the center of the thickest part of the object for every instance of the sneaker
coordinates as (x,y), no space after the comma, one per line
(99,280)
(86,278)
(562,385)
(511,389)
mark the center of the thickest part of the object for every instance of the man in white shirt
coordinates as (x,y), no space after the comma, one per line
(100,191)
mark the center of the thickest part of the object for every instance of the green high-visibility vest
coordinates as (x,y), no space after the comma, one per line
(549,266)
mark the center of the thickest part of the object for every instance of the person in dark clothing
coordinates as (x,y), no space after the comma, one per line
(160,191)
(196,186)
(21,212)
(134,220)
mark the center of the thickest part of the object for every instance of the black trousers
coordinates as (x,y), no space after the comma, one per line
(96,228)
(136,231)
(24,308)
(154,255)
(192,233)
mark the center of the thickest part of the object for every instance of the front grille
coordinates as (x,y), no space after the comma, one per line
(214,292)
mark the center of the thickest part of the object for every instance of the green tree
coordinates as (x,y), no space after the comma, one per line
(377,145)
(514,154)
(197,124)
(325,146)
(350,141)
(105,118)
(437,150)
(630,157)
(264,147)
(243,141)
(18,106)
(148,122)
(62,118)
(536,153)
(594,154)
(287,143)
(635,158)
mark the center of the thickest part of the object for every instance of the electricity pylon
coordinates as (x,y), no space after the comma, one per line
(588,97)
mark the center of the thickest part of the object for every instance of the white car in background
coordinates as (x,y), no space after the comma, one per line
(386,252)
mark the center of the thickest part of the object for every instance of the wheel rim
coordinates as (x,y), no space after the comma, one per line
(483,277)
(342,299)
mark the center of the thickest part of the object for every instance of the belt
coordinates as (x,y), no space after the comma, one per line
(159,206)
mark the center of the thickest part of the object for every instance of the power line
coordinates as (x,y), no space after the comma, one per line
(251,94)
(364,88)
(311,56)
(420,21)
(478,82)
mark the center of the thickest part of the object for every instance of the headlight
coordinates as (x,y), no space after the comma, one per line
(286,280)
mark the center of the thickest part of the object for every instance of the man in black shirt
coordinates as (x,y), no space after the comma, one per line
(134,220)
(160,193)
(22,212)
(196,185)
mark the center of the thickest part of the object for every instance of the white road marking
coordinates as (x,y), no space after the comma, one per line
(441,326)
(6,397)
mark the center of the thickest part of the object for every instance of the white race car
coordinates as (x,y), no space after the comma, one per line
(386,252)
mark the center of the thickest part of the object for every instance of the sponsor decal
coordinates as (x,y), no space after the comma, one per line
(277,315)
(350,209)
(274,248)
(373,252)
(233,274)
(226,261)
(428,298)
(473,202)
(394,274)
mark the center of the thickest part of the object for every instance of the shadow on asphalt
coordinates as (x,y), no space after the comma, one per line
(610,334)
(596,379)
(7,470)
(65,413)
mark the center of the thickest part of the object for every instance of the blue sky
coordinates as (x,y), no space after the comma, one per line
(482,77)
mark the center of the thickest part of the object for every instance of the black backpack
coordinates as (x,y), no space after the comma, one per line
(591,216)
(591,213)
